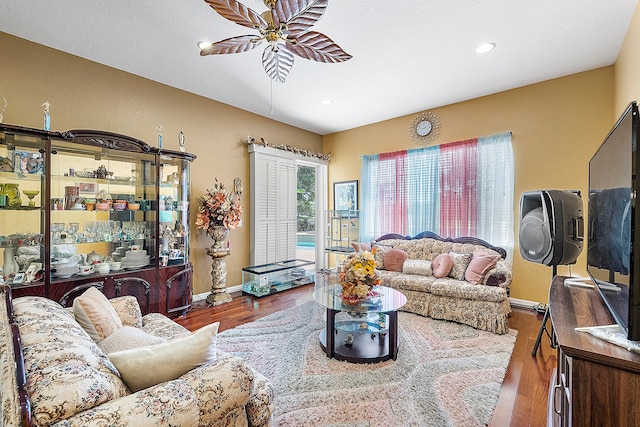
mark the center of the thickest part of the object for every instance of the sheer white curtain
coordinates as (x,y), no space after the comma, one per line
(495,191)
(404,192)
(423,187)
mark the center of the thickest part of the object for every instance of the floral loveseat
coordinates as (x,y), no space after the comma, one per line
(67,380)
(480,300)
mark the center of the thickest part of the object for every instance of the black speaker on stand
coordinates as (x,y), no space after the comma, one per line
(551,233)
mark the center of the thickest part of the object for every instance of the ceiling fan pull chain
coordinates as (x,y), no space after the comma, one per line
(271,100)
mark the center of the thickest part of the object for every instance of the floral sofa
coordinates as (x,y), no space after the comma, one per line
(54,373)
(480,300)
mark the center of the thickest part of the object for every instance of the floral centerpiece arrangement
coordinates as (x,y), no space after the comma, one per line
(358,277)
(219,207)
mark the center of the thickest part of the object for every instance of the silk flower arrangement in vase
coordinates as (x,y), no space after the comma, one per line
(358,277)
(220,210)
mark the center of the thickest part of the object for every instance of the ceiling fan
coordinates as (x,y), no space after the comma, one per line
(285,27)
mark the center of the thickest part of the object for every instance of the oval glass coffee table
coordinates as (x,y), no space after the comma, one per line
(362,333)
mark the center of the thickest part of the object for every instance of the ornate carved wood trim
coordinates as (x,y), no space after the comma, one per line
(431,235)
(176,275)
(107,140)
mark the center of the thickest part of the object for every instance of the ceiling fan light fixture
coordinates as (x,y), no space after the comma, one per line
(485,47)
(204,44)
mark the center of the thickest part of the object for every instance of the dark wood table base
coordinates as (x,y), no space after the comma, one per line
(367,347)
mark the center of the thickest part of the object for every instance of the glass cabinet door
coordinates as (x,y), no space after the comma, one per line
(22,207)
(173,208)
(103,217)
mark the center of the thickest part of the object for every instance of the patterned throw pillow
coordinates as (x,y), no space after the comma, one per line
(128,310)
(442,265)
(381,250)
(460,264)
(481,262)
(361,247)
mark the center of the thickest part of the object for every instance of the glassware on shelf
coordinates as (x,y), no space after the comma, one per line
(13,195)
(31,194)
(10,265)
(72,231)
(56,229)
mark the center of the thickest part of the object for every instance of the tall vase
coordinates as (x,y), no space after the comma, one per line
(218,251)
(10,265)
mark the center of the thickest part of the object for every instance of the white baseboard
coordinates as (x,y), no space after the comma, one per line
(203,296)
(523,303)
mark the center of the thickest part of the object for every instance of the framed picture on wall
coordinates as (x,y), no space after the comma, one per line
(345,195)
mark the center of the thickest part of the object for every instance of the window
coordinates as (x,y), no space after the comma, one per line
(459,189)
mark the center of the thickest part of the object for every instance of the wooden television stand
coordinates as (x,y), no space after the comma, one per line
(596,383)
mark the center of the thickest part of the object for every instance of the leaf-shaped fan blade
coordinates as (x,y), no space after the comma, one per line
(277,63)
(300,15)
(238,13)
(317,47)
(233,45)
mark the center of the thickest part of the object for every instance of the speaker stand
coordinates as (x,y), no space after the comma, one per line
(543,326)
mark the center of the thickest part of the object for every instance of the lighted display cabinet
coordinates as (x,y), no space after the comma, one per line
(343,227)
(94,209)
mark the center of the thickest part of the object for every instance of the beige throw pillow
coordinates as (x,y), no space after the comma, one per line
(95,314)
(144,367)
(126,338)
(420,267)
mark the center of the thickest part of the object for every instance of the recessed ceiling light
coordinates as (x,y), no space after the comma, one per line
(326,101)
(485,47)
(203,44)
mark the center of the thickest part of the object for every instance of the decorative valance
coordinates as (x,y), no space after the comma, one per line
(264,143)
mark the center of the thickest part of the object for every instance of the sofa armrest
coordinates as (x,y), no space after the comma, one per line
(260,407)
(204,396)
(500,275)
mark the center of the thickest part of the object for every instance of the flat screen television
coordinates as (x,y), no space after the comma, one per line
(614,222)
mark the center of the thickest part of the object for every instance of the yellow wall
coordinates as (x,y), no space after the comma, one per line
(627,67)
(557,126)
(88,95)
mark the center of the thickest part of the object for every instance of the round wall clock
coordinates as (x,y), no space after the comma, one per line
(424,128)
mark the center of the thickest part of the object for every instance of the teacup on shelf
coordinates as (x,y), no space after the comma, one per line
(103,267)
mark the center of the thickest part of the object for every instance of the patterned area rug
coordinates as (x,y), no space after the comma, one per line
(446,374)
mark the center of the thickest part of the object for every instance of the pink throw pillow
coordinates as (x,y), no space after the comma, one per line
(361,247)
(442,265)
(394,258)
(481,262)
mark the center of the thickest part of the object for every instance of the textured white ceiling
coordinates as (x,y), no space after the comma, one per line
(408,56)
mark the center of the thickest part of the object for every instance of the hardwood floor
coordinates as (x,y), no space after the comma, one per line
(523,400)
